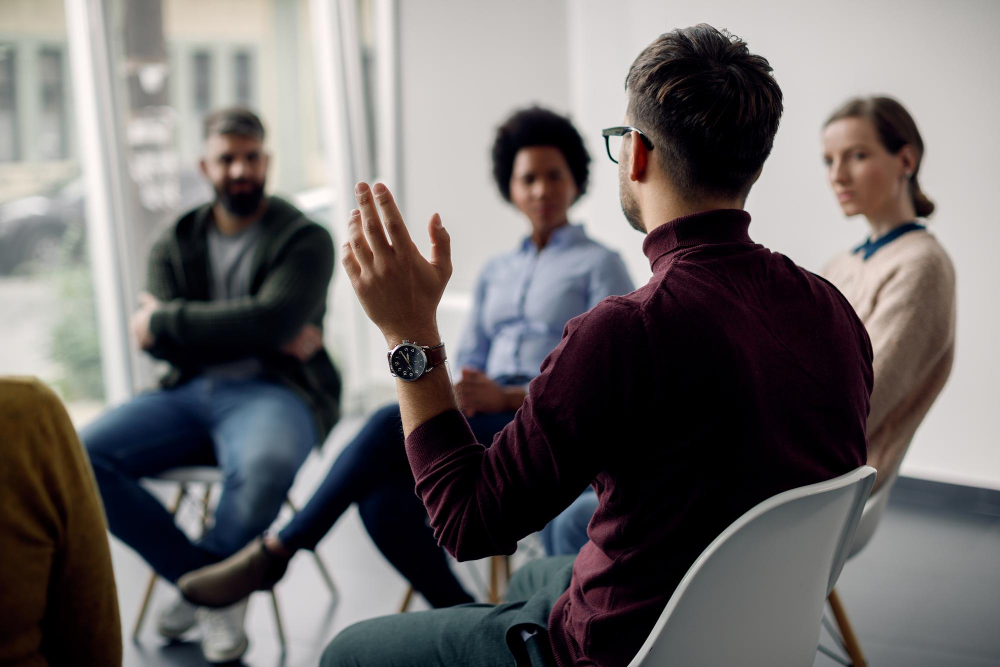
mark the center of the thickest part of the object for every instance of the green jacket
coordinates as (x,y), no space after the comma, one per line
(292,267)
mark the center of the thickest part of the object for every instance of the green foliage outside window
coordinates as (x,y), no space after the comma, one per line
(75,341)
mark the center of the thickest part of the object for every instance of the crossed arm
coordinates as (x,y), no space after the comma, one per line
(277,318)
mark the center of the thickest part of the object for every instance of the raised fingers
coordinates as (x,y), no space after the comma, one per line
(356,242)
(440,245)
(370,221)
(398,234)
(350,263)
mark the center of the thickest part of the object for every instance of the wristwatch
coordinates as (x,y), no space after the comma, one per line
(409,361)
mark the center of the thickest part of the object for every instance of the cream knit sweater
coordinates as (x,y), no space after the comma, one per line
(905,295)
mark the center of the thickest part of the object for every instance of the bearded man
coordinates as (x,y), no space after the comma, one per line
(237,291)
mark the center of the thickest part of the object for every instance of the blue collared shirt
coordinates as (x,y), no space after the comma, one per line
(524,298)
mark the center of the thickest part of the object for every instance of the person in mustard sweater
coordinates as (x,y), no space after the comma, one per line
(58,602)
(900,280)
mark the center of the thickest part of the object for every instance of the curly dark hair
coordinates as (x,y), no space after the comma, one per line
(536,126)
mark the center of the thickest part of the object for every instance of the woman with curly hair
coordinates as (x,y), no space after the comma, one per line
(521,303)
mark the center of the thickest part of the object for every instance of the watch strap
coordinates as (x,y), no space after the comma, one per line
(435,355)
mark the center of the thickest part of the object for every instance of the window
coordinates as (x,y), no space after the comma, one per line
(242,78)
(202,82)
(52,140)
(9,145)
(369,82)
(47,294)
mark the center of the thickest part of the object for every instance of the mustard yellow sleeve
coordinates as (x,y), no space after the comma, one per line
(59,505)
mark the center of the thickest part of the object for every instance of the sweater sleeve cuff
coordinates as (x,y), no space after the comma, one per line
(164,320)
(436,437)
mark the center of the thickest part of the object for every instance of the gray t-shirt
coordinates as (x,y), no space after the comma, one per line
(230,258)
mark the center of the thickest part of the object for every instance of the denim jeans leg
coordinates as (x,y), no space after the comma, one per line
(151,433)
(374,455)
(566,534)
(396,520)
(263,433)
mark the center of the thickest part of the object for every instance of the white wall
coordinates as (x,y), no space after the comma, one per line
(940,59)
(464,67)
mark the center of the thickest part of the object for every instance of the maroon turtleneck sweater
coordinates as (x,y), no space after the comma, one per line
(733,375)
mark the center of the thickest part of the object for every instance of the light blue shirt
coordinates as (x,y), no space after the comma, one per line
(524,299)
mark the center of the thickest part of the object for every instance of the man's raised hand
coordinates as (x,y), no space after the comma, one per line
(398,288)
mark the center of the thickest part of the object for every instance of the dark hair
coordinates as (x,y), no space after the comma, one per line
(234,120)
(896,128)
(536,126)
(710,106)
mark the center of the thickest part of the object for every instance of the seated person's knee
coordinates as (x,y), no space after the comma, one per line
(349,647)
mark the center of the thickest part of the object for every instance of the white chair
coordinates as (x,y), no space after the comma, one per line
(870,518)
(208,476)
(755,596)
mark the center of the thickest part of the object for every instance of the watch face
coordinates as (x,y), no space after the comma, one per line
(408,362)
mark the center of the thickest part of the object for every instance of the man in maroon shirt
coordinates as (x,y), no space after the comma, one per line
(733,375)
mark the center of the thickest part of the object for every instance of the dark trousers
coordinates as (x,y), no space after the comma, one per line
(373,472)
(471,635)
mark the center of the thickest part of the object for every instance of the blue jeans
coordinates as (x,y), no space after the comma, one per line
(373,472)
(259,433)
(566,534)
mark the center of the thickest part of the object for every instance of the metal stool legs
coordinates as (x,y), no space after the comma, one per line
(327,579)
(182,491)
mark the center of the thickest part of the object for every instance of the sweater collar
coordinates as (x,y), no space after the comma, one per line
(869,247)
(707,227)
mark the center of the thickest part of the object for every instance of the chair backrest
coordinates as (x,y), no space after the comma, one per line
(755,596)
(871,516)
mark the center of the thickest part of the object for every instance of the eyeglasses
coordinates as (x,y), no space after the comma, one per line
(617,133)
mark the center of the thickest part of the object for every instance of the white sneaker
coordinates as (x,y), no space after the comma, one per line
(223,637)
(176,618)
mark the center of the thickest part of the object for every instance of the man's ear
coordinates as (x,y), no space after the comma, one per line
(757,175)
(638,158)
(203,167)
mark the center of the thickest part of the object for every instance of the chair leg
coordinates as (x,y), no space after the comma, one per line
(326,575)
(277,620)
(496,591)
(406,600)
(327,579)
(145,605)
(851,644)
(204,507)
(181,490)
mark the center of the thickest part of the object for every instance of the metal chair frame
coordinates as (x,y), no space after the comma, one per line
(209,477)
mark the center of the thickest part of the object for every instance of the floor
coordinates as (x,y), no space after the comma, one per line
(925,592)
